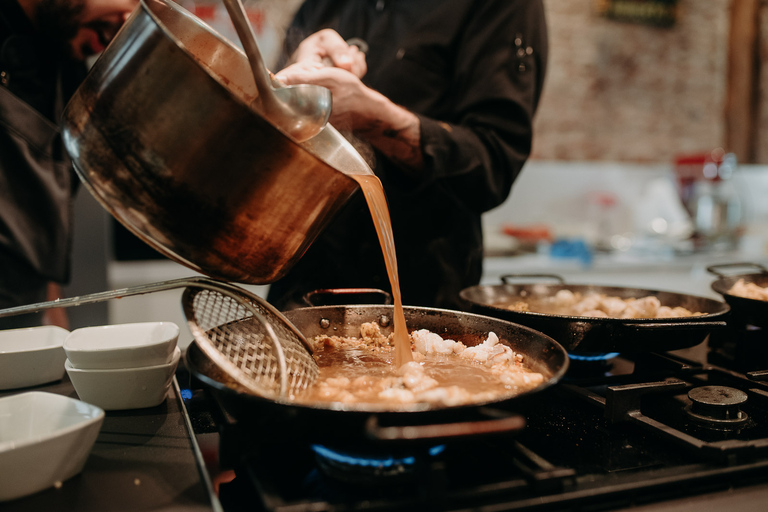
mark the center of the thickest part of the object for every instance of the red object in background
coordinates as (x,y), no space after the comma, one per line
(528,234)
(694,167)
(603,199)
(256,17)
(205,12)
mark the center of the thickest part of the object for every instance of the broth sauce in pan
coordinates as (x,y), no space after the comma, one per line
(370,373)
(444,372)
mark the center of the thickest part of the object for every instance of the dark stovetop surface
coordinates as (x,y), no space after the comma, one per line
(143,459)
(618,438)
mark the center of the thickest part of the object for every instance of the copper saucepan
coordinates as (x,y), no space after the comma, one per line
(163,133)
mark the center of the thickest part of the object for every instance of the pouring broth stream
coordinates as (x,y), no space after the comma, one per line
(377,204)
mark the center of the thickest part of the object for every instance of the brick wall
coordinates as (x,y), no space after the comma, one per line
(631,92)
(621,91)
(761,147)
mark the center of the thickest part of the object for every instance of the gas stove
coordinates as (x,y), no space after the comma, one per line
(619,431)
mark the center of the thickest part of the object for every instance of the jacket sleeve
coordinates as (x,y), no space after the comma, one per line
(479,149)
(471,70)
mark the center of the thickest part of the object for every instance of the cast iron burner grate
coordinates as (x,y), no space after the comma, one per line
(711,412)
(743,348)
(648,429)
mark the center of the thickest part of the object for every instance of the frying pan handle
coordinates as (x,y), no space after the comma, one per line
(714,269)
(498,422)
(661,327)
(507,277)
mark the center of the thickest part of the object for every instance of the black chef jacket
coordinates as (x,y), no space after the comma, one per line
(472,70)
(36,180)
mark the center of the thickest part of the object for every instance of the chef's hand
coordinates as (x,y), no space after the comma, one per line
(370,115)
(328,48)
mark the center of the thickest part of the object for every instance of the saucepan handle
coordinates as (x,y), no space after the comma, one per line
(655,336)
(342,296)
(355,41)
(715,269)
(496,422)
(658,327)
(506,278)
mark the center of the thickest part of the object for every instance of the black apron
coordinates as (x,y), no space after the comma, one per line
(36,187)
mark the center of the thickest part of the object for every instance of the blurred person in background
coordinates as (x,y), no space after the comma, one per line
(43,48)
(445,96)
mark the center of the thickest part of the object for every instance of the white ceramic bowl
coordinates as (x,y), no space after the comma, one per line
(124,388)
(31,356)
(122,345)
(44,439)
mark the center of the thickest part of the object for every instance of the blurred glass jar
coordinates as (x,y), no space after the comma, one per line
(716,207)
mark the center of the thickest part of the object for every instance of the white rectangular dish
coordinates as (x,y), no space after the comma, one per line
(122,345)
(45,439)
(124,388)
(31,356)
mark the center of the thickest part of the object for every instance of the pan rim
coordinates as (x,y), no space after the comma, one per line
(725,307)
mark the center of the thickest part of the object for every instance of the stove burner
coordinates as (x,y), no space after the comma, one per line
(717,407)
(358,468)
(589,364)
(592,357)
(599,442)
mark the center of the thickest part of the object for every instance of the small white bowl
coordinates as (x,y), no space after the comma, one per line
(31,356)
(45,438)
(122,345)
(124,388)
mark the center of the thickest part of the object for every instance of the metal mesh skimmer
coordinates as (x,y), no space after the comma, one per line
(250,340)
